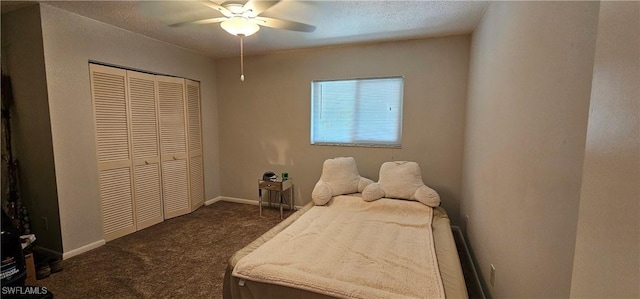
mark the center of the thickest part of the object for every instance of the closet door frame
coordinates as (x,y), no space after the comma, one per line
(126,176)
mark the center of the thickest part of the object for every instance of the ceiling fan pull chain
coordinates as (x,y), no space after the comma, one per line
(241,58)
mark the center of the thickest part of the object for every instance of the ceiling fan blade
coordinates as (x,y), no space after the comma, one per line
(200,22)
(284,24)
(219,8)
(258,6)
(211,21)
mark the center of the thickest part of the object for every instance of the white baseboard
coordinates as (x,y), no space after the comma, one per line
(212,201)
(239,200)
(467,252)
(230,199)
(83,249)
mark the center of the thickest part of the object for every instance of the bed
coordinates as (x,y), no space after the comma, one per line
(351,247)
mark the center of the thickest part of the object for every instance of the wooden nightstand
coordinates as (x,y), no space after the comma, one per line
(277,186)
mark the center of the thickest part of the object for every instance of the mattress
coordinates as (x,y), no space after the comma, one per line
(445,250)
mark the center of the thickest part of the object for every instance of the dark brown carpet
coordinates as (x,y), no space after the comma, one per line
(183,257)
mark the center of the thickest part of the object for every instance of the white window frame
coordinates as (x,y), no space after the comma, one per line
(352,127)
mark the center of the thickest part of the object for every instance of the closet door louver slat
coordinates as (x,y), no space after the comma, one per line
(175,187)
(196,175)
(146,151)
(148,195)
(144,122)
(193,105)
(173,146)
(115,191)
(108,88)
(172,120)
(196,171)
(111,117)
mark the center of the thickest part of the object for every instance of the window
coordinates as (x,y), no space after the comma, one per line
(357,112)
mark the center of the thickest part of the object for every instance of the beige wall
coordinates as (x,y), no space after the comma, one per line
(265,121)
(607,255)
(69,43)
(529,89)
(31,131)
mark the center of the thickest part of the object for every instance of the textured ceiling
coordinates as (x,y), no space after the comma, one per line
(337,22)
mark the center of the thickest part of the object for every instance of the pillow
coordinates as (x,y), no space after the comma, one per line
(401,179)
(339,176)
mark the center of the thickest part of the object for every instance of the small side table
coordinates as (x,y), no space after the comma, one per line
(278,186)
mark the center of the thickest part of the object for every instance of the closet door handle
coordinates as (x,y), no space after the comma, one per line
(146,162)
(174,157)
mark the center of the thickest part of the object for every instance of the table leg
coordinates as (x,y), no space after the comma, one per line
(293,203)
(260,200)
(281,199)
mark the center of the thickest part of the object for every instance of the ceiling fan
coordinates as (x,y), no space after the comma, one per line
(244,19)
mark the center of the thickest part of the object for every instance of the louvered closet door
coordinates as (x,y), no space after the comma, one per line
(196,171)
(108,89)
(146,149)
(173,146)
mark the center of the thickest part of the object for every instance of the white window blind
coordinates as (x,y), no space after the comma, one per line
(357,112)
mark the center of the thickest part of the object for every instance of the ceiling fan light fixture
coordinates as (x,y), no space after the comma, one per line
(239,26)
